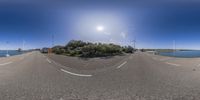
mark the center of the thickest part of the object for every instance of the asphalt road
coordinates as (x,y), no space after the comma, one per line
(34,76)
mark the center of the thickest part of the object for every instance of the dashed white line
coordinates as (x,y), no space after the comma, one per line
(82,75)
(71,73)
(198,65)
(172,64)
(122,65)
(22,58)
(164,59)
(154,58)
(5,63)
(48,60)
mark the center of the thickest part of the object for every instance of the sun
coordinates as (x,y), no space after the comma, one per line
(100,28)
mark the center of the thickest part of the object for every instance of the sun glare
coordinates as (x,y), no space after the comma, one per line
(100,28)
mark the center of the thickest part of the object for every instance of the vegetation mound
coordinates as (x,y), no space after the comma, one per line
(88,49)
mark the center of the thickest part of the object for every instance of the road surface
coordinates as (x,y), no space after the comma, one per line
(33,76)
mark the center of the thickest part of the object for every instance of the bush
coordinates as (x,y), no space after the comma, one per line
(73,44)
(128,49)
(72,53)
(58,50)
(87,49)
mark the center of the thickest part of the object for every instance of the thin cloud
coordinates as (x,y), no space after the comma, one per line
(123,35)
(107,33)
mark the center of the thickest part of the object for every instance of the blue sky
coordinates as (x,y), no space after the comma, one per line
(153,24)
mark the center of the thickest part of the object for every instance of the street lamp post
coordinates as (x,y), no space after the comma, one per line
(23,45)
(174,47)
(7,55)
(134,41)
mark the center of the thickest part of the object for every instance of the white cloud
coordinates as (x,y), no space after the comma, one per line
(107,33)
(111,40)
(123,35)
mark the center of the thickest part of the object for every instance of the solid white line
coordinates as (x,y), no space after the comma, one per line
(122,65)
(172,64)
(83,75)
(48,60)
(5,63)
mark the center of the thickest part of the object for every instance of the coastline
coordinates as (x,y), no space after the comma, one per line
(183,62)
(11,53)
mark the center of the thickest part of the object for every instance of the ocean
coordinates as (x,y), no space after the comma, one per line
(182,54)
(10,52)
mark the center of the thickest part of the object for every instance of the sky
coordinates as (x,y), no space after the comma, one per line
(153,24)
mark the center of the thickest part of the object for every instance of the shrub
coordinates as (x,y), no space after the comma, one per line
(73,44)
(87,49)
(58,50)
(128,49)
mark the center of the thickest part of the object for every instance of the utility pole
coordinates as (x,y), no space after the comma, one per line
(7,55)
(154,49)
(174,47)
(52,40)
(134,41)
(23,43)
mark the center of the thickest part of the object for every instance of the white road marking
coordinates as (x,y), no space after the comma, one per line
(48,60)
(163,59)
(5,63)
(198,65)
(154,58)
(82,75)
(172,64)
(22,58)
(122,65)
(75,74)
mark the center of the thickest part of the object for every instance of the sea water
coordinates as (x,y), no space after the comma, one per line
(3,53)
(182,54)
